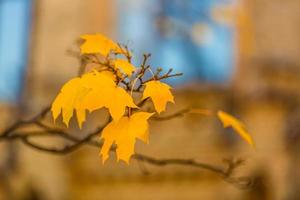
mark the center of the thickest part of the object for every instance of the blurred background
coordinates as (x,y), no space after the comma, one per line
(241,56)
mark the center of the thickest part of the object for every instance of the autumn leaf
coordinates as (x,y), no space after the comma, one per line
(67,100)
(230,121)
(159,93)
(116,99)
(124,66)
(124,134)
(105,93)
(110,74)
(98,43)
(92,91)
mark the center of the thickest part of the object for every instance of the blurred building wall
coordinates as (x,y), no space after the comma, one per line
(57,25)
(56,30)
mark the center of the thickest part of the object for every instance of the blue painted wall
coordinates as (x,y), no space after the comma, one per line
(15,17)
(168,29)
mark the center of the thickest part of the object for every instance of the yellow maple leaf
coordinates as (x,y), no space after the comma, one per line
(124,66)
(67,100)
(228,120)
(159,93)
(92,91)
(124,134)
(97,43)
(116,99)
(109,74)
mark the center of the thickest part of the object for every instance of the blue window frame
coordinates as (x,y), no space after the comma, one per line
(15,17)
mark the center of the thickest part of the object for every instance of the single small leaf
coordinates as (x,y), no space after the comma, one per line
(97,43)
(124,133)
(124,66)
(230,121)
(159,93)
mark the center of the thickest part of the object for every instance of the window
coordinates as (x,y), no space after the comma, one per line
(14,34)
(192,36)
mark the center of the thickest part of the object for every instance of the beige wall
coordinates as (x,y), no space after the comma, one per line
(56,30)
(57,25)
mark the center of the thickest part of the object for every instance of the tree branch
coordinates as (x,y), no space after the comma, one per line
(13,133)
(179,113)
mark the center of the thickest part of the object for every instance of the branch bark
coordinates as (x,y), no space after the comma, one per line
(13,133)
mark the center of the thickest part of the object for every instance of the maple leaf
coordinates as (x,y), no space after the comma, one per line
(92,91)
(124,134)
(159,93)
(228,120)
(109,74)
(98,43)
(124,66)
(66,101)
(105,93)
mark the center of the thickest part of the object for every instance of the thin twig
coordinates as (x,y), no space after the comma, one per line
(179,113)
